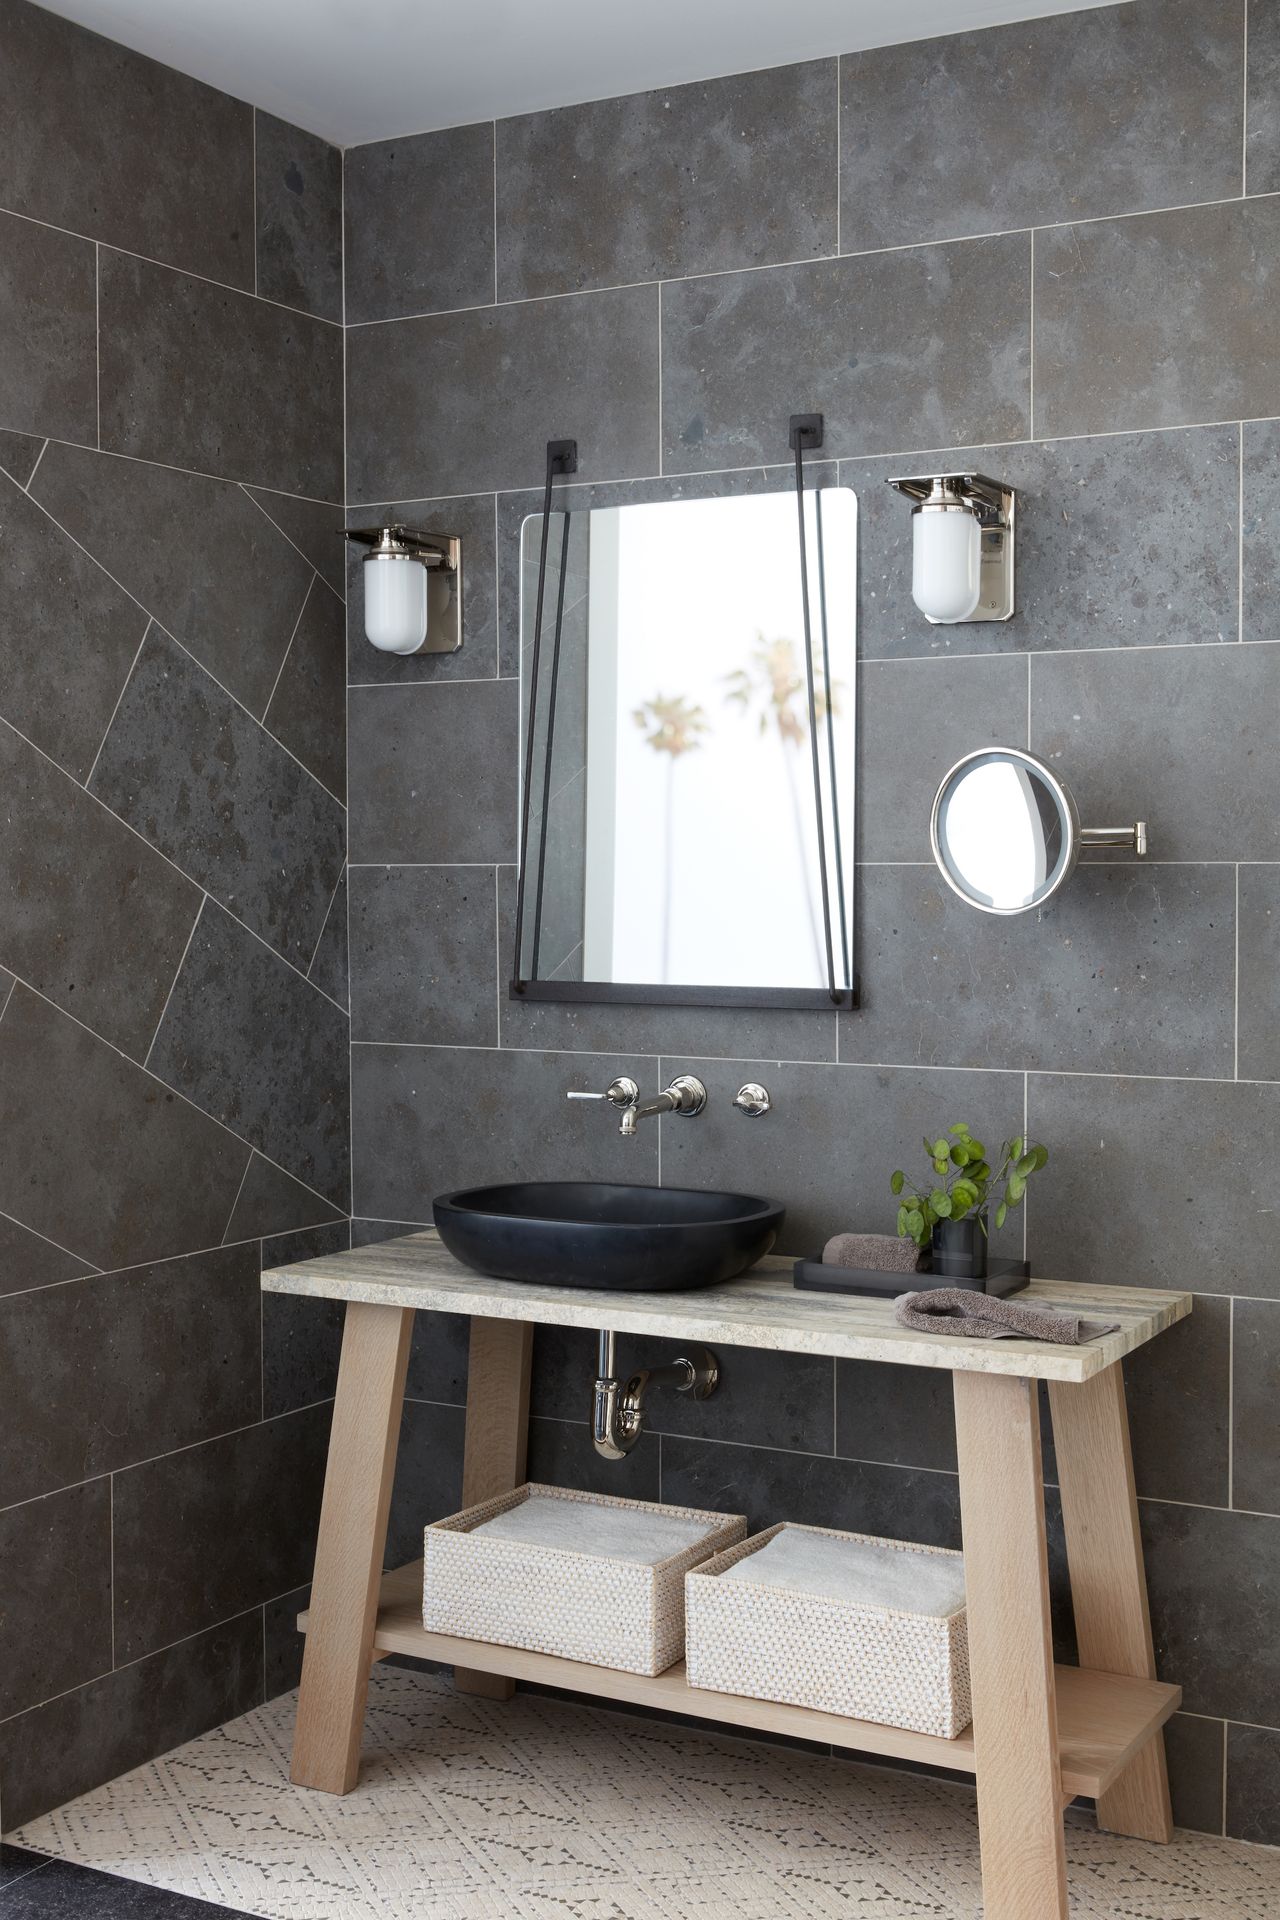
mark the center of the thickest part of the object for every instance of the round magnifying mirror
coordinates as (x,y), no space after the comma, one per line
(1005,830)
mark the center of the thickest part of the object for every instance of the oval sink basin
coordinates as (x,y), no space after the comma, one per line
(584,1234)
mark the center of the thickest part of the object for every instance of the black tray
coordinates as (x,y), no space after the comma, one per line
(1003,1278)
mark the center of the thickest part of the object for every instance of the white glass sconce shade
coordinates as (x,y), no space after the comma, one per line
(395,602)
(946,562)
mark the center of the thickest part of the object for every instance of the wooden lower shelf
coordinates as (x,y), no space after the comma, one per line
(1103,1718)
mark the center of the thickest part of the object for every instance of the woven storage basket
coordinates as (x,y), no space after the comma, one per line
(582,1606)
(870,1662)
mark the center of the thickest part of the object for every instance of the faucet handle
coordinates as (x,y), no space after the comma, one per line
(619,1093)
(753,1100)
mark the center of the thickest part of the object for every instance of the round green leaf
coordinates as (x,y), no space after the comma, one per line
(1002,1214)
(898,1181)
(941,1203)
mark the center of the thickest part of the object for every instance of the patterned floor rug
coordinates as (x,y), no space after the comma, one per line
(471,1810)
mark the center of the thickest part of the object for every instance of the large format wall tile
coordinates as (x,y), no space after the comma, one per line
(1256,1354)
(419,224)
(196,376)
(1159,321)
(121,1367)
(437,773)
(298,186)
(97,1154)
(1262,151)
(1112,1208)
(1179,1394)
(924,347)
(76,1741)
(1194,1749)
(472,519)
(48,377)
(196,553)
(771,1484)
(1212,1579)
(467,402)
(193,772)
(1253,1785)
(90,916)
(426,1121)
(206,1533)
(70,636)
(424,955)
(1260,529)
(308,711)
(1129,970)
(104,141)
(1180,738)
(271,1201)
(55,1595)
(301,1338)
(1127,540)
(19,453)
(328,969)
(313,526)
(897,1416)
(724,173)
(832,1140)
(1111,111)
(27,1261)
(428,1478)
(250,1041)
(1258,980)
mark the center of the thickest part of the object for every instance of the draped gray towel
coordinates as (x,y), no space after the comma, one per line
(980,1316)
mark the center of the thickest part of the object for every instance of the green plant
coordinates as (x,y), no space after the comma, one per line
(963,1182)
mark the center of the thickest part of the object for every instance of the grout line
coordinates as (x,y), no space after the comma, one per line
(89,1268)
(111,1551)
(839,72)
(1235,1029)
(409,686)
(97,344)
(661,461)
(1240,541)
(167,1259)
(196,473)
(271,520)
(1231,1405)
(1031,347)
(253,136)
(493,129)
(497,950)
(293,634)
(262,1331)
(1244,146)
(124,688)
(8,995)
(26,484)
(320,936)
(1224,1778)
(173,983)
(231,1216)
(1028,703)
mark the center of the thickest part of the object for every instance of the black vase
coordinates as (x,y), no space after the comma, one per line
(960,1249)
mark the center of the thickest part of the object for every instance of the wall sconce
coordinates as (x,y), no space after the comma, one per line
(962,546)
(412,589)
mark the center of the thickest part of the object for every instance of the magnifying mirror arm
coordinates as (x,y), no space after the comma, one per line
(1133,839)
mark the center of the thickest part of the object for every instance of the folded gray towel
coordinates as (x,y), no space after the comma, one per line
(981,1316)
(883,1252)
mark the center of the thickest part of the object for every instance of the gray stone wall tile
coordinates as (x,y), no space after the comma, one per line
(1256,1431)
(308,710)
(55,1583)
(1258,981)
(466,402)
(1160,321)
(1260,529)
(328,969)
(437,773)
(27,1261)
(19,453)
(271,1203)
(927,346)
(301,1339)
(1253,1785)
(1212,1580)
(1179,1395)
(771,1484)
(726,173)
(298,192)
(48,379)
(312,526)
(419,224)
(1194,1750)
(1262,150)
(1114,110)
(424,953)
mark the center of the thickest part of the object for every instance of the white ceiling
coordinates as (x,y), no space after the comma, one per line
(357,70)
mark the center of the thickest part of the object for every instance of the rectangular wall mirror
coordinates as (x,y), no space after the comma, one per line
(689,834)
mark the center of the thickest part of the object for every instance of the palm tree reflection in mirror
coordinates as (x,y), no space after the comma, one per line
(672,727)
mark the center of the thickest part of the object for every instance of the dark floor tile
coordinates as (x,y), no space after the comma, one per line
(1157,321)
(308,711)
(282,1642)
(472,520)
(19,453)
(1106,1209)
(695,179)
(459,741)
(204,1534)
(1200,768)
(428,1479)
(427,1120)
(1112,111)
(98,1153)
(1086,509)
(27,1261)
(314,529)
(1262,113)
(107,142)
(64,1748)
(831,1142)
(272,1202)
(193,773)
(893,1503)
(17,1861)
(1179,1389)
(251,1042)
(48,382)
(65,1891)
(329,969)
(502,382)
(70,636)
(1253,1785)
(120,1367)
(298,187)
(423,955)
(1212,1579)
(900,1416)
(1128,970)
(742,352)
(419,223)
(1194,1749)
(1256,1358)
(90,916)
(561,1454)
(195,376)
(197,553)
(55,1595)
(1258,1008)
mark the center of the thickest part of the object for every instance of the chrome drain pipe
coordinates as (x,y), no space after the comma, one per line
(617,1412)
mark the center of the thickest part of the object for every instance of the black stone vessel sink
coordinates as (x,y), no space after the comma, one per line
(629,1239)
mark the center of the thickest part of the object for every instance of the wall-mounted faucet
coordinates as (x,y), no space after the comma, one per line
(685,1095)
(617,1414)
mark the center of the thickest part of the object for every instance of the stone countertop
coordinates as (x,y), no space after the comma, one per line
(762,1309)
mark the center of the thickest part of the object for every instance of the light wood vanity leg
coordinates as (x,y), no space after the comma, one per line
(351,1543)
(1108,1579)
(1015,1725)
(497,1440)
